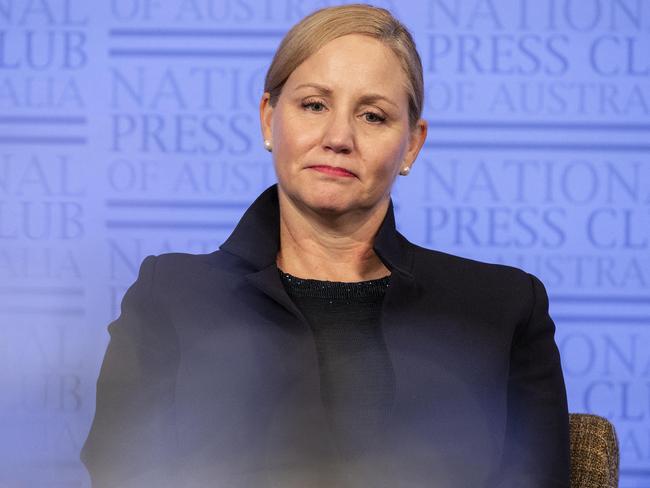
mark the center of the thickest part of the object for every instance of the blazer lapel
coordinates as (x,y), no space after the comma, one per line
(268,282)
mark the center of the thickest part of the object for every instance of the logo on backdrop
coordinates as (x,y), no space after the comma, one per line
(44,56)
(538,157)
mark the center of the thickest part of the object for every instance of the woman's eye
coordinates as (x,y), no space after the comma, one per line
(314,106)
(373,117)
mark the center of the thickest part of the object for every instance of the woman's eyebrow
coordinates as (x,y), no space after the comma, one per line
(321,88)
(374,97)
(369,98)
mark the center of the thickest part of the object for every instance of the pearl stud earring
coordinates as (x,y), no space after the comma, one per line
(405,170)
(267,145)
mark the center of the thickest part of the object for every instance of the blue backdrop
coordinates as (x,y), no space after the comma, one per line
(130,127)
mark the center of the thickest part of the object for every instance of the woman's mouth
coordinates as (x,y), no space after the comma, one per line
(333,170)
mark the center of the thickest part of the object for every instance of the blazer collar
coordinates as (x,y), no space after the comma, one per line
(256,238)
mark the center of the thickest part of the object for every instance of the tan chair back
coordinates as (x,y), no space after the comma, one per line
(594,452)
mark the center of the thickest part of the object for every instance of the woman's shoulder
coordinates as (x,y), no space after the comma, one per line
(434,261)
(472,277)
(179,273)
(497,293)
(181,263)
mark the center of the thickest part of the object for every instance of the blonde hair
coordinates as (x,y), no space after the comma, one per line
(325,25)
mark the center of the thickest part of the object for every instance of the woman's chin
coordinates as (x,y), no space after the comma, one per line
(331,203)
(330,206)
(329,200)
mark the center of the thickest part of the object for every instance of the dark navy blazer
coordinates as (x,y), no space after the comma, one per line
(211,375)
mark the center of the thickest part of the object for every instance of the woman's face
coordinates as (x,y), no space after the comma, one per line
(340,128)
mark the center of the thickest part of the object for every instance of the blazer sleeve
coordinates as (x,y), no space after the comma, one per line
(132,435)
(536,453)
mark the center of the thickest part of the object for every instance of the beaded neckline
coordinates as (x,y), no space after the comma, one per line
(305,287)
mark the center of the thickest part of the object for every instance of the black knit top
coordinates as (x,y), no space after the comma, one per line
(356,374)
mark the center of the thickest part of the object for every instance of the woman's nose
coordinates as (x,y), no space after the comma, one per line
(339,133)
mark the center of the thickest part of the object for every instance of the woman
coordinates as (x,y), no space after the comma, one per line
(318,347)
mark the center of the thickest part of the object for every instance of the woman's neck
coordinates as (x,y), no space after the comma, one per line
(332,248)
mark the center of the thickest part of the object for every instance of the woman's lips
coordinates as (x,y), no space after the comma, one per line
(333,170)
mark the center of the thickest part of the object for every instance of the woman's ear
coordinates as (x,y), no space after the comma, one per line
(416,141)
(266,112)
